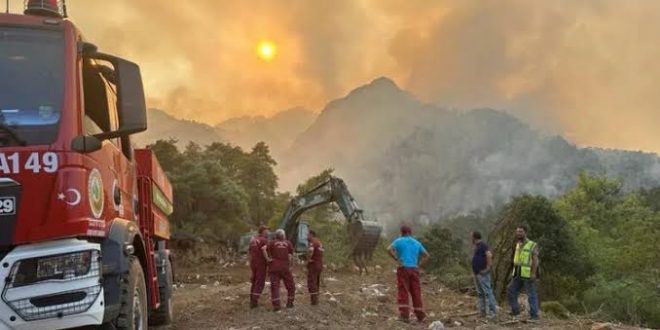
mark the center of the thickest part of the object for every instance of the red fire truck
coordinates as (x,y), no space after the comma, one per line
(83,216)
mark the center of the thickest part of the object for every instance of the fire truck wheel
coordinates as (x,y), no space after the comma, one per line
(134,309)
(165,313)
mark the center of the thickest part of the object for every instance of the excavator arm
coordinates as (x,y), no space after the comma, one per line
(363,234)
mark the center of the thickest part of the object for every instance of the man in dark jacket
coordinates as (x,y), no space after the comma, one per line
(482,261)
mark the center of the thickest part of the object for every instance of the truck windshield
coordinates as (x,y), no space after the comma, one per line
(31,85)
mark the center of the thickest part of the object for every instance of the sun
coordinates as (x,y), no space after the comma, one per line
(266,50)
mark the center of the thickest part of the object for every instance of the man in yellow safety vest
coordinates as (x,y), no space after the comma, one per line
(525,274)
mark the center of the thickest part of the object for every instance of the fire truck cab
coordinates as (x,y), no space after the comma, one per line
(83,216)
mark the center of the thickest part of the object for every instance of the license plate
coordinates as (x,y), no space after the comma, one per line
(7,206)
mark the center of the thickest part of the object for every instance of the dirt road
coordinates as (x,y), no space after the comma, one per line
(218,299)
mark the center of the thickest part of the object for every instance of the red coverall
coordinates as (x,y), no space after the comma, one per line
(259,268)
(314,268)
(280,250)
(408,285)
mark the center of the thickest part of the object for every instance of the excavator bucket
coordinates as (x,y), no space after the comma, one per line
(364,237)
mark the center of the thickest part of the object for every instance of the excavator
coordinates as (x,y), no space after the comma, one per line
(364,234)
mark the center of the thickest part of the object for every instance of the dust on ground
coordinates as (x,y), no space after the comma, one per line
(217,297)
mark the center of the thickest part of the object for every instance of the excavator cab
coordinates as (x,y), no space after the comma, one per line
(302,245)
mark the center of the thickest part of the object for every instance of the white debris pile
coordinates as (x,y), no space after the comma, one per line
(331,279)
(333,297)
(436,325)
(367,313)
(376,291)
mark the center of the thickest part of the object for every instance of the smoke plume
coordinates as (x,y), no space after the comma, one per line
(586,69)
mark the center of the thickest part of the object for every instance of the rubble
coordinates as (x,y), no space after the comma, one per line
(602,326)
(436,325)
(348,302)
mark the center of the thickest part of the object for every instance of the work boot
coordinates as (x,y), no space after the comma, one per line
(253,304)
(289,305)
(404,319)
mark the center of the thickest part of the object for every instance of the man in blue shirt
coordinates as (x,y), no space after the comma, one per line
(406,250)
(482,261)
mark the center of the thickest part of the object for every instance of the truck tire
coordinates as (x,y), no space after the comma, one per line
(165,313)
(134,309)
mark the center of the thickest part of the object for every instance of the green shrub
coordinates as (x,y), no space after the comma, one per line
(555,309)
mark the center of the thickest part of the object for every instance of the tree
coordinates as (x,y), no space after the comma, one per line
(167,153)
(564,267)
(259,180)
(446,250)
(219,190)
(620,232)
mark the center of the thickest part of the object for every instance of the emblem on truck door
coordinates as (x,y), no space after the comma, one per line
(95,193)
(71,197)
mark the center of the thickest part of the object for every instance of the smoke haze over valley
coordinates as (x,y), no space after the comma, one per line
(586,70)
(403,158)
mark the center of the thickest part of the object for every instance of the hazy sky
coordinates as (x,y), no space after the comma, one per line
(587,69)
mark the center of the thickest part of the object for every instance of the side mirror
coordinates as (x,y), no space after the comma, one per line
(86,144)
(131,102)
(87,48)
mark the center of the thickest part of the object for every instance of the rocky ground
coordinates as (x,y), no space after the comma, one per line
(216,297)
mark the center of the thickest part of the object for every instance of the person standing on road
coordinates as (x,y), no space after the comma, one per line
(482,261)
(525,274)
(258,265)
(314,266)
(280,252)
(406,250)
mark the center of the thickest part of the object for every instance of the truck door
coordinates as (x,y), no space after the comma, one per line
(100,116)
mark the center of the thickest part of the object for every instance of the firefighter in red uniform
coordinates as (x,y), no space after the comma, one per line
(314,266)
(280,252)
(258,264)
(406,250)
